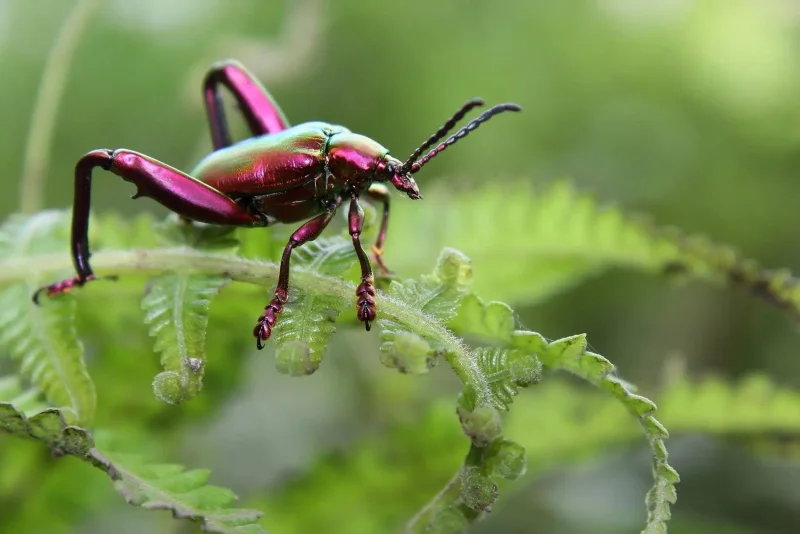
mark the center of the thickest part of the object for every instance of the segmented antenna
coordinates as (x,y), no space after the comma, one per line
(463,132)
(441,132)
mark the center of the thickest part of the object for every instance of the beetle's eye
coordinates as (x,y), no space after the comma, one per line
(390,167)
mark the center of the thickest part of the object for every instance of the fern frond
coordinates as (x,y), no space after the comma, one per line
(532,244)
(176,307)
(753,406)
(115,232)
(494,324)
(576,425)
(508,370)
(43,338)
(308,319)
(26,400)
(150,486)
(438,296)
(528,244)
(570,354)
(491,327)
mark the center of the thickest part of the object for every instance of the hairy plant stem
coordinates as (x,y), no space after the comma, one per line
(154,261)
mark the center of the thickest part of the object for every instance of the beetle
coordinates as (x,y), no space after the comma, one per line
(282,174)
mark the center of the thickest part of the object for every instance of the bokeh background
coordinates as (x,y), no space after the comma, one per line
(687,110)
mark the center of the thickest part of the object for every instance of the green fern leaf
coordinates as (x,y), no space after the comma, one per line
(26,400)
(578,423)
(528,244)
(491,327)
(754,406)
(558,237)
(176,307)
(150,486)
(116,232)
(308,320)
(570,354)
(43,338)
(184,493)
(494,324)
(508,370)
(438,296)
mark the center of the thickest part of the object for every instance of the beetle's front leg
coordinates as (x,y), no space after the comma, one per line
(365,292)
(381,193)
(186,196)
(308,232)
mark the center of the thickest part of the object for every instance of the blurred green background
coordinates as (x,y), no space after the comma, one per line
(685,110)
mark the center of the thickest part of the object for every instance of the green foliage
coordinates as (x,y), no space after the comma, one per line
(421,320)
(559,237)
(176,308)
(43,338)
(576,425)
(26,401)
(307,322)
(151,486)
(437,296)
(494,322)
(662,108)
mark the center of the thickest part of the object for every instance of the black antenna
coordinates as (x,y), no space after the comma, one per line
(446,127)
(463,132)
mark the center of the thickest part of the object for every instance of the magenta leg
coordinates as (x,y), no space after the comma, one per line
(262,113)
(381,193)
(171,188)
(365,292)
(308,232)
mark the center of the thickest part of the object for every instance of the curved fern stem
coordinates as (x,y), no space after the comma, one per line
(184,259)
(148,485)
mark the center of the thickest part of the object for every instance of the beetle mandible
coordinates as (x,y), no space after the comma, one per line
(282,174)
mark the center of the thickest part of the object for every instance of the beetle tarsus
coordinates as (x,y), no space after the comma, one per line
(365,302)
(63,286)
(266,321)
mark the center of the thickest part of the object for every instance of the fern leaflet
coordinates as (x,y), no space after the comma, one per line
(570,354)
(150,486)
(437,295)
(43,338)
(176,307)
(558,237)
(307,321)
(26,400)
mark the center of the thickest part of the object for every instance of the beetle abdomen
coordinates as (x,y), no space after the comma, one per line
(269,163)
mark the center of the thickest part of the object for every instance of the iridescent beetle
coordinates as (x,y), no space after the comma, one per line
(283,174)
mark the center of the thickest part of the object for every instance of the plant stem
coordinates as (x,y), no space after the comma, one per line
(154,261)
(51,87)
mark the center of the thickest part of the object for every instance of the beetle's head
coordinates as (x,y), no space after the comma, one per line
(400,173)
(391,170)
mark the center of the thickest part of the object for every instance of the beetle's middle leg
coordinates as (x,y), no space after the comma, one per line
(177,191)
(381,193)
(308,232)
(365,292)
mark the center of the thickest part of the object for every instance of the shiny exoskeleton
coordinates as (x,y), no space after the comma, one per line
(282,174)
